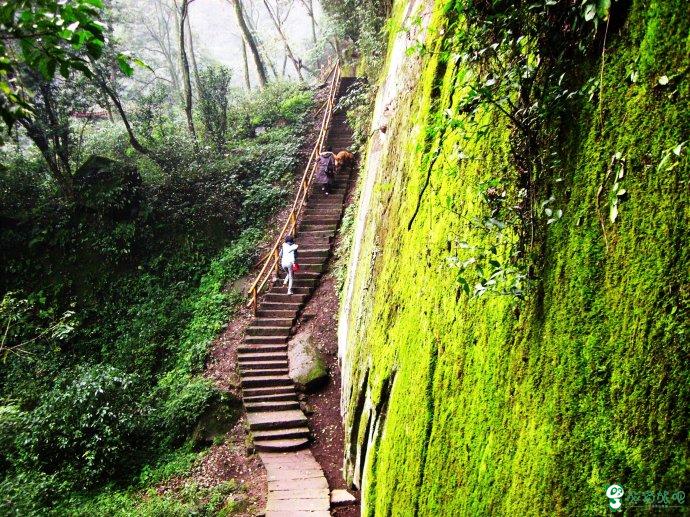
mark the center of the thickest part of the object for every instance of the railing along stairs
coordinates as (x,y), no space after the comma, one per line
(271,262)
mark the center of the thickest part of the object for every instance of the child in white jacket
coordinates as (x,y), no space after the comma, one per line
(287,259)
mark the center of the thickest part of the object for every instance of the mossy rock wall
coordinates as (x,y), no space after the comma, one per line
(457,405)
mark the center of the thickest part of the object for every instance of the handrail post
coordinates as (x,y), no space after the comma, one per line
(293,220)
(254,304)
(276,256)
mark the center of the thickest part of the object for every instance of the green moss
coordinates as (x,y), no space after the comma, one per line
(518,409)
(317,372)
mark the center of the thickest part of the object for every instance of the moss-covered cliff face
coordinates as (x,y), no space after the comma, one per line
(464,405)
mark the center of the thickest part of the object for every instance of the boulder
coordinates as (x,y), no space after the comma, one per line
(220,416)
(308,368)
(110,187)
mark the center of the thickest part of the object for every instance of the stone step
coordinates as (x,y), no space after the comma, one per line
(308,275)
(328,199)
(268,356)
(285,298)
(270,397)
(313,252)
(291,444)
(313,506)
(326,206)
(262,364)
(262,420)
(321,219)
(306,226)
(335,192)
(261,381)
(321,193)
(297,281)
(311,267)
(316,240)
(273,372)
(282,289)
(281,434)
(329,207)
(274,322)
(280,306)
(261,349)
(310,260)
(322,213)
(324,203)
(275,405)
(291,314)
(268,331)
(259,391)
(319,234)
(265,340)
(325,213)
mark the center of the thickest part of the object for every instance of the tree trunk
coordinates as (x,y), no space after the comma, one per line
(190,40)
(110,92)
(247,82)
(249,40)
(336,46)
(62,177)
(262,51)
(297,63)
(162,37)
(309,7)
(186,78)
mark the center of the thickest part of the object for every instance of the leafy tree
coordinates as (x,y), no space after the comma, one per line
(45,36)
(38,38)
(214,83)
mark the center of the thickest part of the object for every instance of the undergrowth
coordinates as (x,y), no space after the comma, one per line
(109,305)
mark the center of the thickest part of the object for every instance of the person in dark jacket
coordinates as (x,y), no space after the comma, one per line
(325,171)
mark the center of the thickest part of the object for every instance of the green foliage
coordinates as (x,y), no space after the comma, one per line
(85,426)
(491,405)
(214,83)
(24,325)
(357,103)
(64,30)
(115,301)
(224,499)
(361,22)
(41,37)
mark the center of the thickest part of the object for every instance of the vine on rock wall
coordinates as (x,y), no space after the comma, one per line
(521,59)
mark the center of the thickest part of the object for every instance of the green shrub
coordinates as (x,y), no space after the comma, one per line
(86,426)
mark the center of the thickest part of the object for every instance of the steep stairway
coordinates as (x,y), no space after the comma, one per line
(276,422)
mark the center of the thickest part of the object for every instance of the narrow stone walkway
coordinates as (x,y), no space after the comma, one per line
(278,427)
(296,485)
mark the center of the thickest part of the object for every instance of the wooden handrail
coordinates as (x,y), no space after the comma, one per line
(270,263)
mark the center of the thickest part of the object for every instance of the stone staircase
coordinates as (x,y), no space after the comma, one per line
(276,421)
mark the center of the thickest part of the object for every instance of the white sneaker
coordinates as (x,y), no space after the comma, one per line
(285,281)
(289,292)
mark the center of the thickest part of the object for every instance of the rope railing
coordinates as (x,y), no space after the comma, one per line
(271,264)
